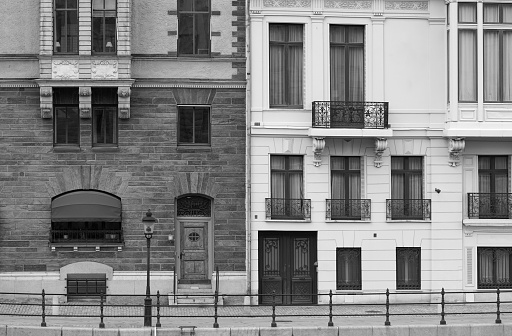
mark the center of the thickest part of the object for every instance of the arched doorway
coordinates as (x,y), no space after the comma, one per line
(194,243)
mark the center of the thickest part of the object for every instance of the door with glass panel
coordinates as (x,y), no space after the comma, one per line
(286,184)
(287,267)
(407,187)
(493,198)
(345,188)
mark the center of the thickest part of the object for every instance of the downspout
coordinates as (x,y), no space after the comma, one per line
(247,300)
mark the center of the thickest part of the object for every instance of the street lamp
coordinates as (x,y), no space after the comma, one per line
(149,225)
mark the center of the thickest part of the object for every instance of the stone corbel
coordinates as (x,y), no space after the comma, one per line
(85,102)
(456,147)
(123,101)
(46,102)
(318,147)
(380,146)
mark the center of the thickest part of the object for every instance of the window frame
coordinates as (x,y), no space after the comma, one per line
(407,173)
(495,283)
(351,279)
(65,105)
(66,11)
(107,106)
(286,46)
(347,46)
(103,29)
(287,172)
(180,108)
(401,254)
(195,14)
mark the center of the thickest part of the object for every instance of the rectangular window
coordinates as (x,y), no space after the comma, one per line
(193,125)
(347,63)
(104,17)
(493,198)
(348,269)
(497,65)
(104,116)
(193,27)
(494,265)
(346,200)
(408,268)
(66,117)
(66,27)
(86,286)
(286,65)
(286,187)
(467,65)
(407,187)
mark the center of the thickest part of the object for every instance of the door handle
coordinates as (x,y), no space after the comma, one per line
(182,253)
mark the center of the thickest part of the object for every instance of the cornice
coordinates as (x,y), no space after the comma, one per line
(148,83)
(18,83)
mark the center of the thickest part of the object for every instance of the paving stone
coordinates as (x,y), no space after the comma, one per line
(33,331)
(317,331)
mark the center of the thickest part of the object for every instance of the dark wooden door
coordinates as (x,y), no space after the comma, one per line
(287,265)
(193,251)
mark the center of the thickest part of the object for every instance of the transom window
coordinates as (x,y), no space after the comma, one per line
(66,130)
(193,27)
(104,17)
(66,27)
(193,125)
(286,65)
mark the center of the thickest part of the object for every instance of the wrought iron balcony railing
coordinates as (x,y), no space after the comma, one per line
(348,209)
(285,208)
(86,236)
(490,205)
(340,114)
(404,209)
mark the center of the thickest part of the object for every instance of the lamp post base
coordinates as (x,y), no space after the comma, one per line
(147,311)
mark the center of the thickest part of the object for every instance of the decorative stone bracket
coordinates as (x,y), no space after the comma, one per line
(123,101)
(318,147)
(456,147)
(85,102)
(46,102)
(380,146)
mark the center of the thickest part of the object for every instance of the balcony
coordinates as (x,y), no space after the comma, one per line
(490,205)
(288,209)
(408,209)
(86,237)
(348,209)
(358,115)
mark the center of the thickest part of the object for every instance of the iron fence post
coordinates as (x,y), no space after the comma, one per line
(43,307)
(215,301)
(387,323)
(498,319)
(330,324)
(102,325)
(158,324)
(273,324)
(442,322)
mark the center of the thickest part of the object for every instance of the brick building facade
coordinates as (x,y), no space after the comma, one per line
(110,100)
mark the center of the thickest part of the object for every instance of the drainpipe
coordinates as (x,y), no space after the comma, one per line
(247,300)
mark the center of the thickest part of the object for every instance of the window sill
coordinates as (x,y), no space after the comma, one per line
(487,222)
(105,149)
(408,221)
(77,246)
(194,148)
(288,220)
(66,149)
(348,221)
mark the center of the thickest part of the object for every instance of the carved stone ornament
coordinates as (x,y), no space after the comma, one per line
(124,113)
(456,147)
(123,92)
(65,69)
(85,113)
(380,146)
(407,5)
(46,113)
(85,91)
(106,69)
(318,147)
(46,92)
(287,3)
(354,4)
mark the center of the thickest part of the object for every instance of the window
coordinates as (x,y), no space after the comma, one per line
(407,188)
(104,33)
(408,268)
(348,269)
(193,27)
(66,27)
(467,53)
(346,202)
(494,266)
(493,187)
(286,188)
(66,117)
(497,53)
(104,116)
(286,63)
(347,63)
(194,125)
(86,217)
(86,286)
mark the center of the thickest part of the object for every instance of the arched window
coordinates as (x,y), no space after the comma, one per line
(194,206)
(86,216)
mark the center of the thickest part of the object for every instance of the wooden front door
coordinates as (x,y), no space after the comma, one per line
(193,251)
(287,266)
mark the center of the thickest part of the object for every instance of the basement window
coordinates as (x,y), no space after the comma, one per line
(86,286)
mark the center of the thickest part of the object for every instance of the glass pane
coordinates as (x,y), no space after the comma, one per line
(295,33)
(99,126)
(277,75)
(110,4)
(507,66)
(337,163)
(60,125)
(397,162)
(295,67)
(484,162)
(356,74)
(277,33)
(202,34)
(60,4)
(354,163)
(491,13)
(338,74)
(356,34)
(506,13)
(72,3)
(492,66)
(110,34)
(186,126)
(185,5)
(73,125)
(277,162)
(295,162)
(185,38)
(201,5)
(467,12)
(415,163)
(97,34)
(337,34)
(500,162)
(467,65)
(202,122)
(98,4)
